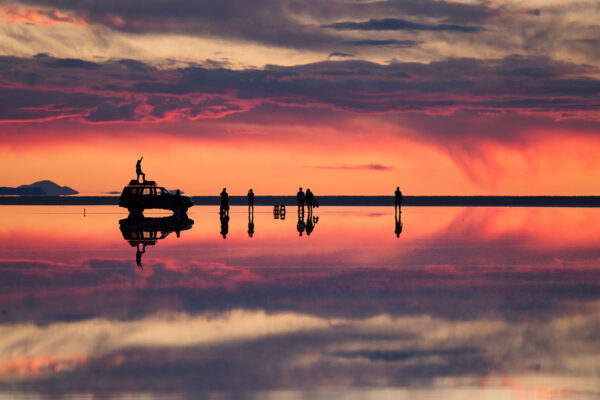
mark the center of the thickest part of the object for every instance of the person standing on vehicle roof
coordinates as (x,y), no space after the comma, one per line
(138,170)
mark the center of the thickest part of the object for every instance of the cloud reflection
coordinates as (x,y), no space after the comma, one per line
(274,351)
(471,293)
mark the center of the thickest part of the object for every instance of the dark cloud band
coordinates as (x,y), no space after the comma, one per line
(393,24)
(43,88)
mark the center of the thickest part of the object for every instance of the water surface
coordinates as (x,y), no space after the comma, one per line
(499,303)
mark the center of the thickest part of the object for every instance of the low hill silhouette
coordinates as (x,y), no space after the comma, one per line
(41,188)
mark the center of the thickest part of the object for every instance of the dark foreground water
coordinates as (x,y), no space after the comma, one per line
(485,303)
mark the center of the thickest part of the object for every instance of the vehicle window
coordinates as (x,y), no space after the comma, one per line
(134,191)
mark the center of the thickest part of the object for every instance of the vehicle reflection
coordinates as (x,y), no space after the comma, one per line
(142,231)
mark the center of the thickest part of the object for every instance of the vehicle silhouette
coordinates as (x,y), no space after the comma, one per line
(137,197)
(142,231)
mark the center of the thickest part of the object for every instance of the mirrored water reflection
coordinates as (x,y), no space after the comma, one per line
(462,302)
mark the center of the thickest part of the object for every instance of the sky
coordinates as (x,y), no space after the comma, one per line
(465,97)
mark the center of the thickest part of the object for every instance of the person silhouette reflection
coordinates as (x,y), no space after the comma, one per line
(300,226)
(224,202)
(398,229)
(250,223)
(250,200)
(300,198)
(398,199)
(224,225)
(310,224)
(138,255)
(138,170)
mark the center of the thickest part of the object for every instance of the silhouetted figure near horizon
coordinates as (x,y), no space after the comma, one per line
(310,224)
(250,223)
(250,200)
(224,225)
(310,201)
(301,199)
(398,199)
(138,255)
(224,202)
(300,226)
(138,170)
(399,225)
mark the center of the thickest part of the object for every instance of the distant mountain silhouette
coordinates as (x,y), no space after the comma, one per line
(41,188)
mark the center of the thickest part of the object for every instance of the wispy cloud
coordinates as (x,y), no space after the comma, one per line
(383,42)
(339,54)
(372,167)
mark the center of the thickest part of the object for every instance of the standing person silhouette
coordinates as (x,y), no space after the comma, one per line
(250,201)
(138,170)
(398,199)
(300,197)
(310,200)
(224,210)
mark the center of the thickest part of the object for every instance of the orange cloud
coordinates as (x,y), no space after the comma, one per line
(41,364)
(39,16)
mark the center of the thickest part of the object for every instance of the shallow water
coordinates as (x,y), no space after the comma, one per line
(498,303)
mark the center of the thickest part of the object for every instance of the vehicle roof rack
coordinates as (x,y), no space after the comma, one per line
(135,183)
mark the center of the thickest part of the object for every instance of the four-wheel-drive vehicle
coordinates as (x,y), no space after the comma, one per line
(137,197)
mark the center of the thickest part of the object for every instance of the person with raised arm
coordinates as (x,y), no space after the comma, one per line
(138,170)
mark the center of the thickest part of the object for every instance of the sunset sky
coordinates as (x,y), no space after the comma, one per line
(456,97)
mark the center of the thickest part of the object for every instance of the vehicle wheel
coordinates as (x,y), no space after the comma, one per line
(135,209)
(180,212)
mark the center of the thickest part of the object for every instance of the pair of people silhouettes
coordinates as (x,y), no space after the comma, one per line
(224,213)
(308,198)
